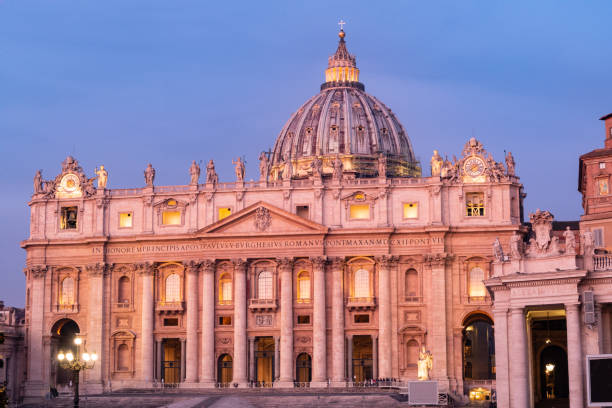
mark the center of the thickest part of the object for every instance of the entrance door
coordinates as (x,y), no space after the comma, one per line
(171,363)
(225,369)
(362,358)
(63,334)
(264,359)
(303,368)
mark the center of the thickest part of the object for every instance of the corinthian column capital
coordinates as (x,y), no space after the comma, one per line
(192,267)
(97,269)
(387,261)
(145,269)
(37,272)
(240,264)
(318,262)
(285,264)
(208,265)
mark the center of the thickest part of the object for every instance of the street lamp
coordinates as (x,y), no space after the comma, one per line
(76,363)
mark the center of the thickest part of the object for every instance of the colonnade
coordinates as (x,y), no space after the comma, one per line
(242,353)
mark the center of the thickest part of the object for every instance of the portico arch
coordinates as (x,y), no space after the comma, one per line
(63,333)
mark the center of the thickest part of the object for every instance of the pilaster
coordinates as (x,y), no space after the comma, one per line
(286,346)
(191,370)
(319,329)
(240,323)
(208,363)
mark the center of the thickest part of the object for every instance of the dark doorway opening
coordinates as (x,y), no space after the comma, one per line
(362,358)
(171,362)
(264,359)
(225,370)
(63,334)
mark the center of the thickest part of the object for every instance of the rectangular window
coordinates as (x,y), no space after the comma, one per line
(303,319)
(362,318)
(602,165)
(302,211)
(598,237)
(171,322)
(411,210)
(360,211)
(224,212)
(171,218)
(69,218)
(474,204)
(225,320)
(125,220)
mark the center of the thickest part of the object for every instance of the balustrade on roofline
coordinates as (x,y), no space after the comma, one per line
(602,262)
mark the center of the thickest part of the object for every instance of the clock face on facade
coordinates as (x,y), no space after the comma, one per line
(70,183)
(474,166)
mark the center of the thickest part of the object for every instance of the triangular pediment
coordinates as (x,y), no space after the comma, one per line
(263,219)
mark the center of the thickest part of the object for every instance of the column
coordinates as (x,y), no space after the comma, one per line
(519,371)
(35,386)
(252,359)
(158,362)
(276,358)
(500,316)
(574,356)
(286,346)
(191,369)
(338,357)
(207,365)
(146,331)
(375,357)
(240,323)
(319,328)
(438,319)
(183,362)
(384,316)
(95,323)
(349,357)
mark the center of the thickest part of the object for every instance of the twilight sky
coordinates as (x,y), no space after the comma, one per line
(123,83)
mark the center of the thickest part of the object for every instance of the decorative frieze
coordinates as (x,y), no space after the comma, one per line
(97,269)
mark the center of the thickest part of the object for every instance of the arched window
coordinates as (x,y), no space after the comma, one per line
(478,348)
(123,290)
(123,358)
(225,289)
(173,288)
(412,285)
(476,286)
(303,286)
(412,353)
(264,285)
(362,284)
(67,291)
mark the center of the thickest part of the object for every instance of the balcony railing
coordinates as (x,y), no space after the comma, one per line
(122,305)
(169,307)
(602,262)
(361,303)
(262,304)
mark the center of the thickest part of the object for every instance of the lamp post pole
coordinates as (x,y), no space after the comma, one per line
(77,363)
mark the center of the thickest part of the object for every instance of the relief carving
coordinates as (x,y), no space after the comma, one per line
(263,219)
(263,320)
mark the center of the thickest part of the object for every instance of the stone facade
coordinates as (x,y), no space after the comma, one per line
(12,351)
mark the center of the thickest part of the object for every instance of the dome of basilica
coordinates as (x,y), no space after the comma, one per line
(343,121)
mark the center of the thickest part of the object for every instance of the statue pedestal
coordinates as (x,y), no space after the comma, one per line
(423,392)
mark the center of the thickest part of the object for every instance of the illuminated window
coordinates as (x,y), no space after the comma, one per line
(303,287)
(476,286)
(67,292)
(69,218)
(360,211)
(474,204)
(412,286)
(603,186)
(171,218)
(225,320)
(225,289)
(264,285)
(362,284)
(224,212)
(173,288)
(411,210)
(602,165)
(125,220)
(123,290)
(171,203)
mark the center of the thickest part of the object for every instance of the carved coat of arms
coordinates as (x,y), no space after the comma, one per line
(263,219)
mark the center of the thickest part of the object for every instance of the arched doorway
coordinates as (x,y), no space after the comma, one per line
(553,373)
(63,333)
(478,357)
(225,370)
(303,366)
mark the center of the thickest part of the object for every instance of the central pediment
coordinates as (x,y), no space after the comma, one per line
(260,219)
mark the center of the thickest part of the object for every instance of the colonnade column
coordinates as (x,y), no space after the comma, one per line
(240,323)
(183,359)
(384,316)
(35,387)
(95,322)
(519,371)
(574,356)
(252,359)
(158,361)
(276,358)
(319,327)
(338,357)
(349,357)
(375,357)
(286,346)
(438,319)
(207,374)
(191,369)
(146,344)
(500,316)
